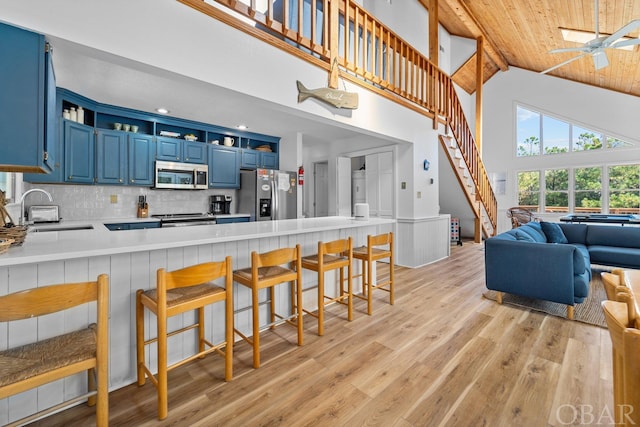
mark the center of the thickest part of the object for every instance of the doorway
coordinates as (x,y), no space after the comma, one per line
(321,189)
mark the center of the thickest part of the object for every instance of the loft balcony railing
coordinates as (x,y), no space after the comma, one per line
(347,41)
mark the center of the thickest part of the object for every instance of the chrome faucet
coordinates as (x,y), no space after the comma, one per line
(24,196)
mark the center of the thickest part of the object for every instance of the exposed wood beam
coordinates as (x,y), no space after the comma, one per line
(469,21)
(434,43)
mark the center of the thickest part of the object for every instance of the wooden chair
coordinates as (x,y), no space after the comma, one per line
(622,322)
(267,271)
(368,254)
(32,365)
(179,291)
(337,254)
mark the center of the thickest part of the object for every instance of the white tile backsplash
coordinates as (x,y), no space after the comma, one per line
(79,202)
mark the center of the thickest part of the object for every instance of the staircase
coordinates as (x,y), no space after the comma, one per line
(370,55)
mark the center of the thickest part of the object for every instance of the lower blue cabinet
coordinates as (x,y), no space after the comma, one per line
(133,225)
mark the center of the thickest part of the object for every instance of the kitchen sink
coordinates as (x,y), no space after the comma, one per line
(65,228)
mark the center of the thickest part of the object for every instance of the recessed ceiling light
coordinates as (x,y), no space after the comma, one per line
(243,127)
(162,110)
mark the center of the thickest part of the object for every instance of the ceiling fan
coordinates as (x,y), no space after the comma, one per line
(596,47)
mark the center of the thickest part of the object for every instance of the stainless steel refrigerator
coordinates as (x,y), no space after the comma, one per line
(268,194)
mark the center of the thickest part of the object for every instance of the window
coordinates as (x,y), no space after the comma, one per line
(538,133)
(529,190)
(528,130)
(624,189)
(587,190)
(7,185)
(556,195)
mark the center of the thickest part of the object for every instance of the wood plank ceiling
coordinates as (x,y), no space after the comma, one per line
(522,32)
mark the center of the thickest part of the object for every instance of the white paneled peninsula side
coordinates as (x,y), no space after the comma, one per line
(131,258)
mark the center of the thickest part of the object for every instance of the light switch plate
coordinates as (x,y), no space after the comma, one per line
(114,198)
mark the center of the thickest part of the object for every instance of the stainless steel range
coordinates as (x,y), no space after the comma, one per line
(185,219)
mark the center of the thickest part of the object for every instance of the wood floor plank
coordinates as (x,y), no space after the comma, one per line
(441,355)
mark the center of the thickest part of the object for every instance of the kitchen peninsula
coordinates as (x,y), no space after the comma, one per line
(131,259)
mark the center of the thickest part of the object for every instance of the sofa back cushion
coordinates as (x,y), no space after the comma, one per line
(534,230)
(575,233)
(613,235)
(553,232)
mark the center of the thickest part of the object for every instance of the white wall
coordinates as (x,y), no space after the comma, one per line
(595,108)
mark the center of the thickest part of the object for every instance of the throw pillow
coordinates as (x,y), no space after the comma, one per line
(553,232)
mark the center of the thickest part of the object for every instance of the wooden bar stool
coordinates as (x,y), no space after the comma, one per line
(337,254)
(32,365)
(368,254)
(177,292)
(267,271)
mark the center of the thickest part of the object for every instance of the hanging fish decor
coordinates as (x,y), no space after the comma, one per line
(335,97)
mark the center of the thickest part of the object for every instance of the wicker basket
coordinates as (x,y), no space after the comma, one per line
(4,245)
(17,234)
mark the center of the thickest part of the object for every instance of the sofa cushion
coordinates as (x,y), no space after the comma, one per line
(525,237)
(533,229)
(586,259)
(581,286)
(613,235)
(553,232)
(616,256)
(575,233)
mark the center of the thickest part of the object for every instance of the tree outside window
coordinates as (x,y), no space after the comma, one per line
(528,132)
(556,190)
(555,135)
(588,190)
(624,189)
(529,190)
(585,139)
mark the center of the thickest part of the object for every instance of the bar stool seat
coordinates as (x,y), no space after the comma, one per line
(367,255)
(179,291)
(334,255)
(267,271)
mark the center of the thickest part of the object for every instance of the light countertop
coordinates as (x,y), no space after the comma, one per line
(68,244)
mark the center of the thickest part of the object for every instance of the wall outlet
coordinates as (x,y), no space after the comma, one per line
(419,195)
(114,198)
(403,185)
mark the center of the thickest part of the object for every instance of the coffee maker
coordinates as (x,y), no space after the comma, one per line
(220,204)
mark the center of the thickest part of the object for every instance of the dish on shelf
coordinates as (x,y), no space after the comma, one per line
(168,133)
(266,148)
(190,137)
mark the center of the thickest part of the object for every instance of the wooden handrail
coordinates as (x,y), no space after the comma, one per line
(367,50)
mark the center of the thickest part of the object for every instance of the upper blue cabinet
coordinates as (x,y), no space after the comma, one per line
(27,103)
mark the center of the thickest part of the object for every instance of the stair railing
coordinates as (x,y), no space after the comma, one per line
(368,54)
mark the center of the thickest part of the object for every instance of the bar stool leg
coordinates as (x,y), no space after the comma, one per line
(299,311)
(256,328)
(272,305)
(201,330)
(350,290)
(229,335)
(320,303)
(163,399)
(392,284)
(369,288)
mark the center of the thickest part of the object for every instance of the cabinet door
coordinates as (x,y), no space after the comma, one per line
(269,160)
(111,159)
(143,225)
(224,167)
(169,149)
(194,152)
(79,153)
(141,156)
(250,159)
(23,100)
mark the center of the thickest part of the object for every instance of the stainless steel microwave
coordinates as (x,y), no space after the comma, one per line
(181,176)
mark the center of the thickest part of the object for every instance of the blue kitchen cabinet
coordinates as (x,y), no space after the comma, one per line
(133,225)
(232,220)
(250,159)
(224,167)
(141,157)
(179,150)
(269,160)
(253,159)
(111,159)
(169,149)
(27,104)
(79,153)
(194,152)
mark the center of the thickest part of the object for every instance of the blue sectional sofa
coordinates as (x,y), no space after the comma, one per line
(552,261)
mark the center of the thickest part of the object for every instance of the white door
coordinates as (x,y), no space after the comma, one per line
(321,189)
(379,183)
(343,202)
(373,186)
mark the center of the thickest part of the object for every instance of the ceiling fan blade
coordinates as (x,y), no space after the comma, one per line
(570,49)
(600,60)
(564,63)
(631,26)
(624,43)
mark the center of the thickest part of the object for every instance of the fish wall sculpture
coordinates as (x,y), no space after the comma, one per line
(335,97)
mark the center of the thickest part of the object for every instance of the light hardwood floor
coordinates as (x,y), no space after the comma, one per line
(442,355)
